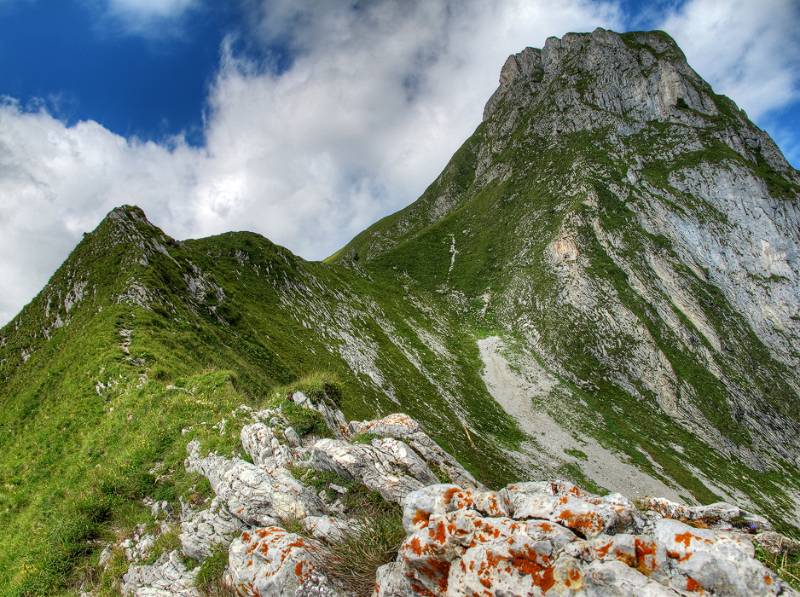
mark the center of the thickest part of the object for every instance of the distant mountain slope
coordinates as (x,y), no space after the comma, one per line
(639,239)
(601,285)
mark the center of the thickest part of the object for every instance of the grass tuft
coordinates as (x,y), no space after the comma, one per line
(786,565)
(209,579)
(353,562)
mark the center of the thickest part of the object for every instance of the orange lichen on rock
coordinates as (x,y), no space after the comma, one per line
(449,493)
(685,538)
(536,565)
(414,546)
(421,518)
(574,579)
(586,522)
(645,556)
(438,533)
(603,550)
(421,590)
(676,556)
(438,570)
(693,585)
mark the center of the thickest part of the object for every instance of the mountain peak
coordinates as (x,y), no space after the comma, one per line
(638,75)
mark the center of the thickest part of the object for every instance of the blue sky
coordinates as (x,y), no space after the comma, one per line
(296,119)
(85,64)
(150,78)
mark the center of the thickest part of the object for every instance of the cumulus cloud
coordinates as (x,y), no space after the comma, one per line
(748,50)
(376,99)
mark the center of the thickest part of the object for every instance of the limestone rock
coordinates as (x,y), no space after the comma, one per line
(270,561)
(717,516)
(388,466)
(164,578)
(566,504)
(777,544)
(138,546)
(259,441)
(326,528)
(453,548)
(250,493)
(720,563)
(202,530)
(402,427)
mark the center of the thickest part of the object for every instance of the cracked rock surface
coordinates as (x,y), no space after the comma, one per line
(529,538)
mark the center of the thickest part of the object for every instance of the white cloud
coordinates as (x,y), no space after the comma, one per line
(376,101)
(154,19)
(151,8)
(748,50)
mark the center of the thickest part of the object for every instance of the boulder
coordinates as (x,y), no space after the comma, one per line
(402,427)
(252,494)
(715,562)
(777,544)
(260,443)
(388,466)
(202,530)
(566,504)
(553,538)
(719,515)
(270,561)
(326,528)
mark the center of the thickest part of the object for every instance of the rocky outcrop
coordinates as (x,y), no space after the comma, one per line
(531,538)
(203,530)
(251,493)
(553,538)
(270,561)
(167,576)
(402,427)
(387,465)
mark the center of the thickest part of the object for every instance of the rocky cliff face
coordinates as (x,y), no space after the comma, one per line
(636,240)
(602,285)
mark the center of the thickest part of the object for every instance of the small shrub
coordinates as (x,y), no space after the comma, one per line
(319,386)
(292,525)
(579,454)
(304,420)
(319,480)
(440,473)
(164,543)
(108,583)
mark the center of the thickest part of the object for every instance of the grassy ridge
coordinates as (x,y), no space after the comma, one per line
(99,414)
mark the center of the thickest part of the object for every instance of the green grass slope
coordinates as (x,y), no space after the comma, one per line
(138,337)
